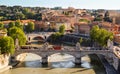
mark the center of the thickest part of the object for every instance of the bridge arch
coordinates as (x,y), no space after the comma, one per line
(56,59)
(38,38)
(61,54)
(22,56)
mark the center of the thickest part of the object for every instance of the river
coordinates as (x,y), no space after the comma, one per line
(58,64)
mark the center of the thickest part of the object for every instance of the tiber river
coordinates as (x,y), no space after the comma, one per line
(58,64)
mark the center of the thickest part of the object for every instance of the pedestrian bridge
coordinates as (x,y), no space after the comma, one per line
(40,36)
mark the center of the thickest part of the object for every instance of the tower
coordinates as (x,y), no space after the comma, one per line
(114,20)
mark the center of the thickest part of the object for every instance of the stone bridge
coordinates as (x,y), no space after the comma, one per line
(41,35)
(76,52)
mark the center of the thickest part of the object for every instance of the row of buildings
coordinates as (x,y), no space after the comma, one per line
(75,20)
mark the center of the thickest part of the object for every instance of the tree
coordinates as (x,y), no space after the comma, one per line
(11,24)
(107,17)
(19,24)
(38,16)
(80,40)
(104,36)
(7,45)
(55,37)
(94,33)
(19,16)
(17,33)
(100,35)
(30,27)
(62,29)
(1,25)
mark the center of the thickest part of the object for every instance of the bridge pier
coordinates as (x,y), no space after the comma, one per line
(44,60)
(77,60)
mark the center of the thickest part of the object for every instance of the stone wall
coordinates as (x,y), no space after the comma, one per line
(4,61)
(119,67)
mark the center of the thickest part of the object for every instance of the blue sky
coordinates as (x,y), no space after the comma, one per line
(87,4)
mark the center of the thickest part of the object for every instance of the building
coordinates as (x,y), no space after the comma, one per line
(82,28)
(66,24)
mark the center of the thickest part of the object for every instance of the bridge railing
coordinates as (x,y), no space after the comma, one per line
(63,49)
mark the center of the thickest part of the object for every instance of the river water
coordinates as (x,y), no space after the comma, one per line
(58,64)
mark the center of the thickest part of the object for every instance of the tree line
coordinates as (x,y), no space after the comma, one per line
(18,12)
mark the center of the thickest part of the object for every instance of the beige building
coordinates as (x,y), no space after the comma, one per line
(83,28)
(67,25)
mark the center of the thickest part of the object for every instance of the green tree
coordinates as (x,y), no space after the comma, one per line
(55,36)
(100,35)
(25,11)
(17,33)
(11,24)
(38,16)
(104,35)
(107,17)
(1,25)
(7,45)
(19,16)
(94,33)
(62,29)
(19,24)
(30,27)
(80,40)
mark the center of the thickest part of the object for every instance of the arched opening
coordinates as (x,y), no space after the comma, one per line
(29,60)
(38,40)
(61,60)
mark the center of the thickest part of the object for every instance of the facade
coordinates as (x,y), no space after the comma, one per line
(67,25)
(82,28)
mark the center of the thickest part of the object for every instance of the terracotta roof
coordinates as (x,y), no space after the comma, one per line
(82,23)
(23,21)
(7,22)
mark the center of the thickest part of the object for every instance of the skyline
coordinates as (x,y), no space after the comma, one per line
(82,4)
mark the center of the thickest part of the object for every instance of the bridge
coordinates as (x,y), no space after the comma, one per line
(40,36)
(77,52)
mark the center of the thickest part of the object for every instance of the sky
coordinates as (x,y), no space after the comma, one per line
(83,4)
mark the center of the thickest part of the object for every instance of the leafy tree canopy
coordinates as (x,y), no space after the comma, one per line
(1,25)
(19,24)
(7,45)
(30,27)
(11,24)
(100,35)
(17,33)
(62,29)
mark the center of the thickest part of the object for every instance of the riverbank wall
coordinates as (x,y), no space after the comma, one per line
(4,62)
(109,68)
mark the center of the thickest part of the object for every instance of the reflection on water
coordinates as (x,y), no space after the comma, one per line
(58,64)
(86,65)
(57,60)
(85,62)
(32,60)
